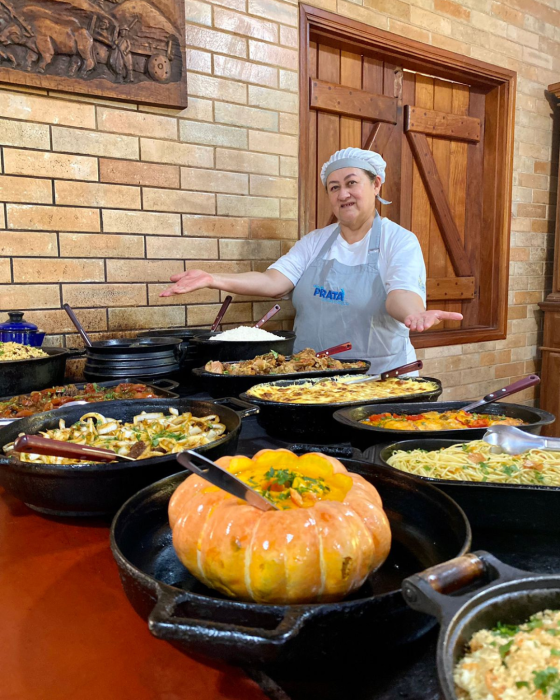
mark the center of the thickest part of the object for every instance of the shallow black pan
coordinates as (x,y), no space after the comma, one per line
(95,488)
(314,422)
(219,385)
(134,346)
(510,596)
(161,387)
(226,350)
(488,505)
(427,526)
(363,436)
(33,374)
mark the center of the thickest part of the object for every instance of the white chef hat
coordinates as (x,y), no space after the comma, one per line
(355,158)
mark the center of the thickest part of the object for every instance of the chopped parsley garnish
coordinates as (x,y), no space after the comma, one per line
(544,679)
(506,630)
(504,649)
(521,684)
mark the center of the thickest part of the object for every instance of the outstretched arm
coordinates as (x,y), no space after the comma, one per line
(408,308)
(270,283)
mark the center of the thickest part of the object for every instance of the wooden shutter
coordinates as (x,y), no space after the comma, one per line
(441,140)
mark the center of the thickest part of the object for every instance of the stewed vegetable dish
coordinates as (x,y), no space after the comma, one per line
(437,420)
(54,397)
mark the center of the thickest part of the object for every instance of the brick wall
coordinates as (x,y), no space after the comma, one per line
(103,201)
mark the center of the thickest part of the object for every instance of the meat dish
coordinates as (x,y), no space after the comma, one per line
(436,420)
(54,397)
(338,391)
(149,435)
(274,363)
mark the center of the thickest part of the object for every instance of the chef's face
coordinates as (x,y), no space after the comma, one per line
(352,195)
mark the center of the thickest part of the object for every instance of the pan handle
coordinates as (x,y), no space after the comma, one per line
(166,622)
(429,591)
(249,409)
(165,384)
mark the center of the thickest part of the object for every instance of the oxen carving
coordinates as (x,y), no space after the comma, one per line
(130,49)
(63,37)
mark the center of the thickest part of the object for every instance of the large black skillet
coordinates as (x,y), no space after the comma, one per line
(427,527)
(487,505)
(33,374)
(509,596)
(96,488)
(226,350)
(219,385)
(361,435)
(310,422)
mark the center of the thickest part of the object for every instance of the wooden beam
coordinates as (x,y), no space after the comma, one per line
(440,206)
(329,97)
(449,288)
(442,124)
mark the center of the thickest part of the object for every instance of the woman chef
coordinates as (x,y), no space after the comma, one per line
(361,280)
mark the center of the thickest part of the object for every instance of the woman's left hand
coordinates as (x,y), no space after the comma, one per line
(423,320)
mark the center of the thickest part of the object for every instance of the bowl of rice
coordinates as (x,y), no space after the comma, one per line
(243,343)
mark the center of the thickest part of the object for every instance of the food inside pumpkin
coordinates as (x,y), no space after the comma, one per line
(330,533)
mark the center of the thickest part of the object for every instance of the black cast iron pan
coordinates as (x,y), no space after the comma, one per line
(33,374)
(226,350)
(512,507)
(218,385)
(365,435)
(96,488)
(133,346)
(509,596)
(427,526)
(314,422)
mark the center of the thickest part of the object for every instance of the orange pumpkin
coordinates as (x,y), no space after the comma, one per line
(329,535)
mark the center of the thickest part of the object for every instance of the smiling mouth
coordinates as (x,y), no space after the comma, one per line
(348,204)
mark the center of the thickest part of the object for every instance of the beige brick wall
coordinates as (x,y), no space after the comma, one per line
(102,201)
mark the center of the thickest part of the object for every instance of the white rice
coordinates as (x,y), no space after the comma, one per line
(246,333)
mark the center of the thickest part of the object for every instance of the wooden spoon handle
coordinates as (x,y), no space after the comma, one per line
(40,445)
(268,315)
(343,347)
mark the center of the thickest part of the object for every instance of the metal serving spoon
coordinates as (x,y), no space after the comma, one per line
(39,445)
(508,390)
(403,369)
(513,441)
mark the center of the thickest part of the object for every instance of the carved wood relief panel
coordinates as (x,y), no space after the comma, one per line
(125,49)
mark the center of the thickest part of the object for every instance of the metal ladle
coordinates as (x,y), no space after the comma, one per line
(513,441)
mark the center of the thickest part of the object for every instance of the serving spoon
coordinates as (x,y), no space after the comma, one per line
(396,372)
(513,441)
(508,390)
(39,445)
(268,315)
(191,460)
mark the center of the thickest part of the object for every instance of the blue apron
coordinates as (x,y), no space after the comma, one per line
(336,303)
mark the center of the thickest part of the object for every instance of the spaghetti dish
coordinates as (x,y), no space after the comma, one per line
(516,662)
(16,351)
(474,461)
(436,420)
(274,363)
(149,435)
(337,391)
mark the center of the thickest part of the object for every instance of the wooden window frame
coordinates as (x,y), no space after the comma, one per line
(350,35)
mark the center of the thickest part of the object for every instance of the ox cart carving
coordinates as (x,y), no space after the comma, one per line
(125,49)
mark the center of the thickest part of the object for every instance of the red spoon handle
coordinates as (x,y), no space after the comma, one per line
(343,347)
(221,312)
(57,448)
(521,384)
(275,309)
(403,369)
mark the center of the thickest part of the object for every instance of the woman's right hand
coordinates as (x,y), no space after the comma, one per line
(188,281)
